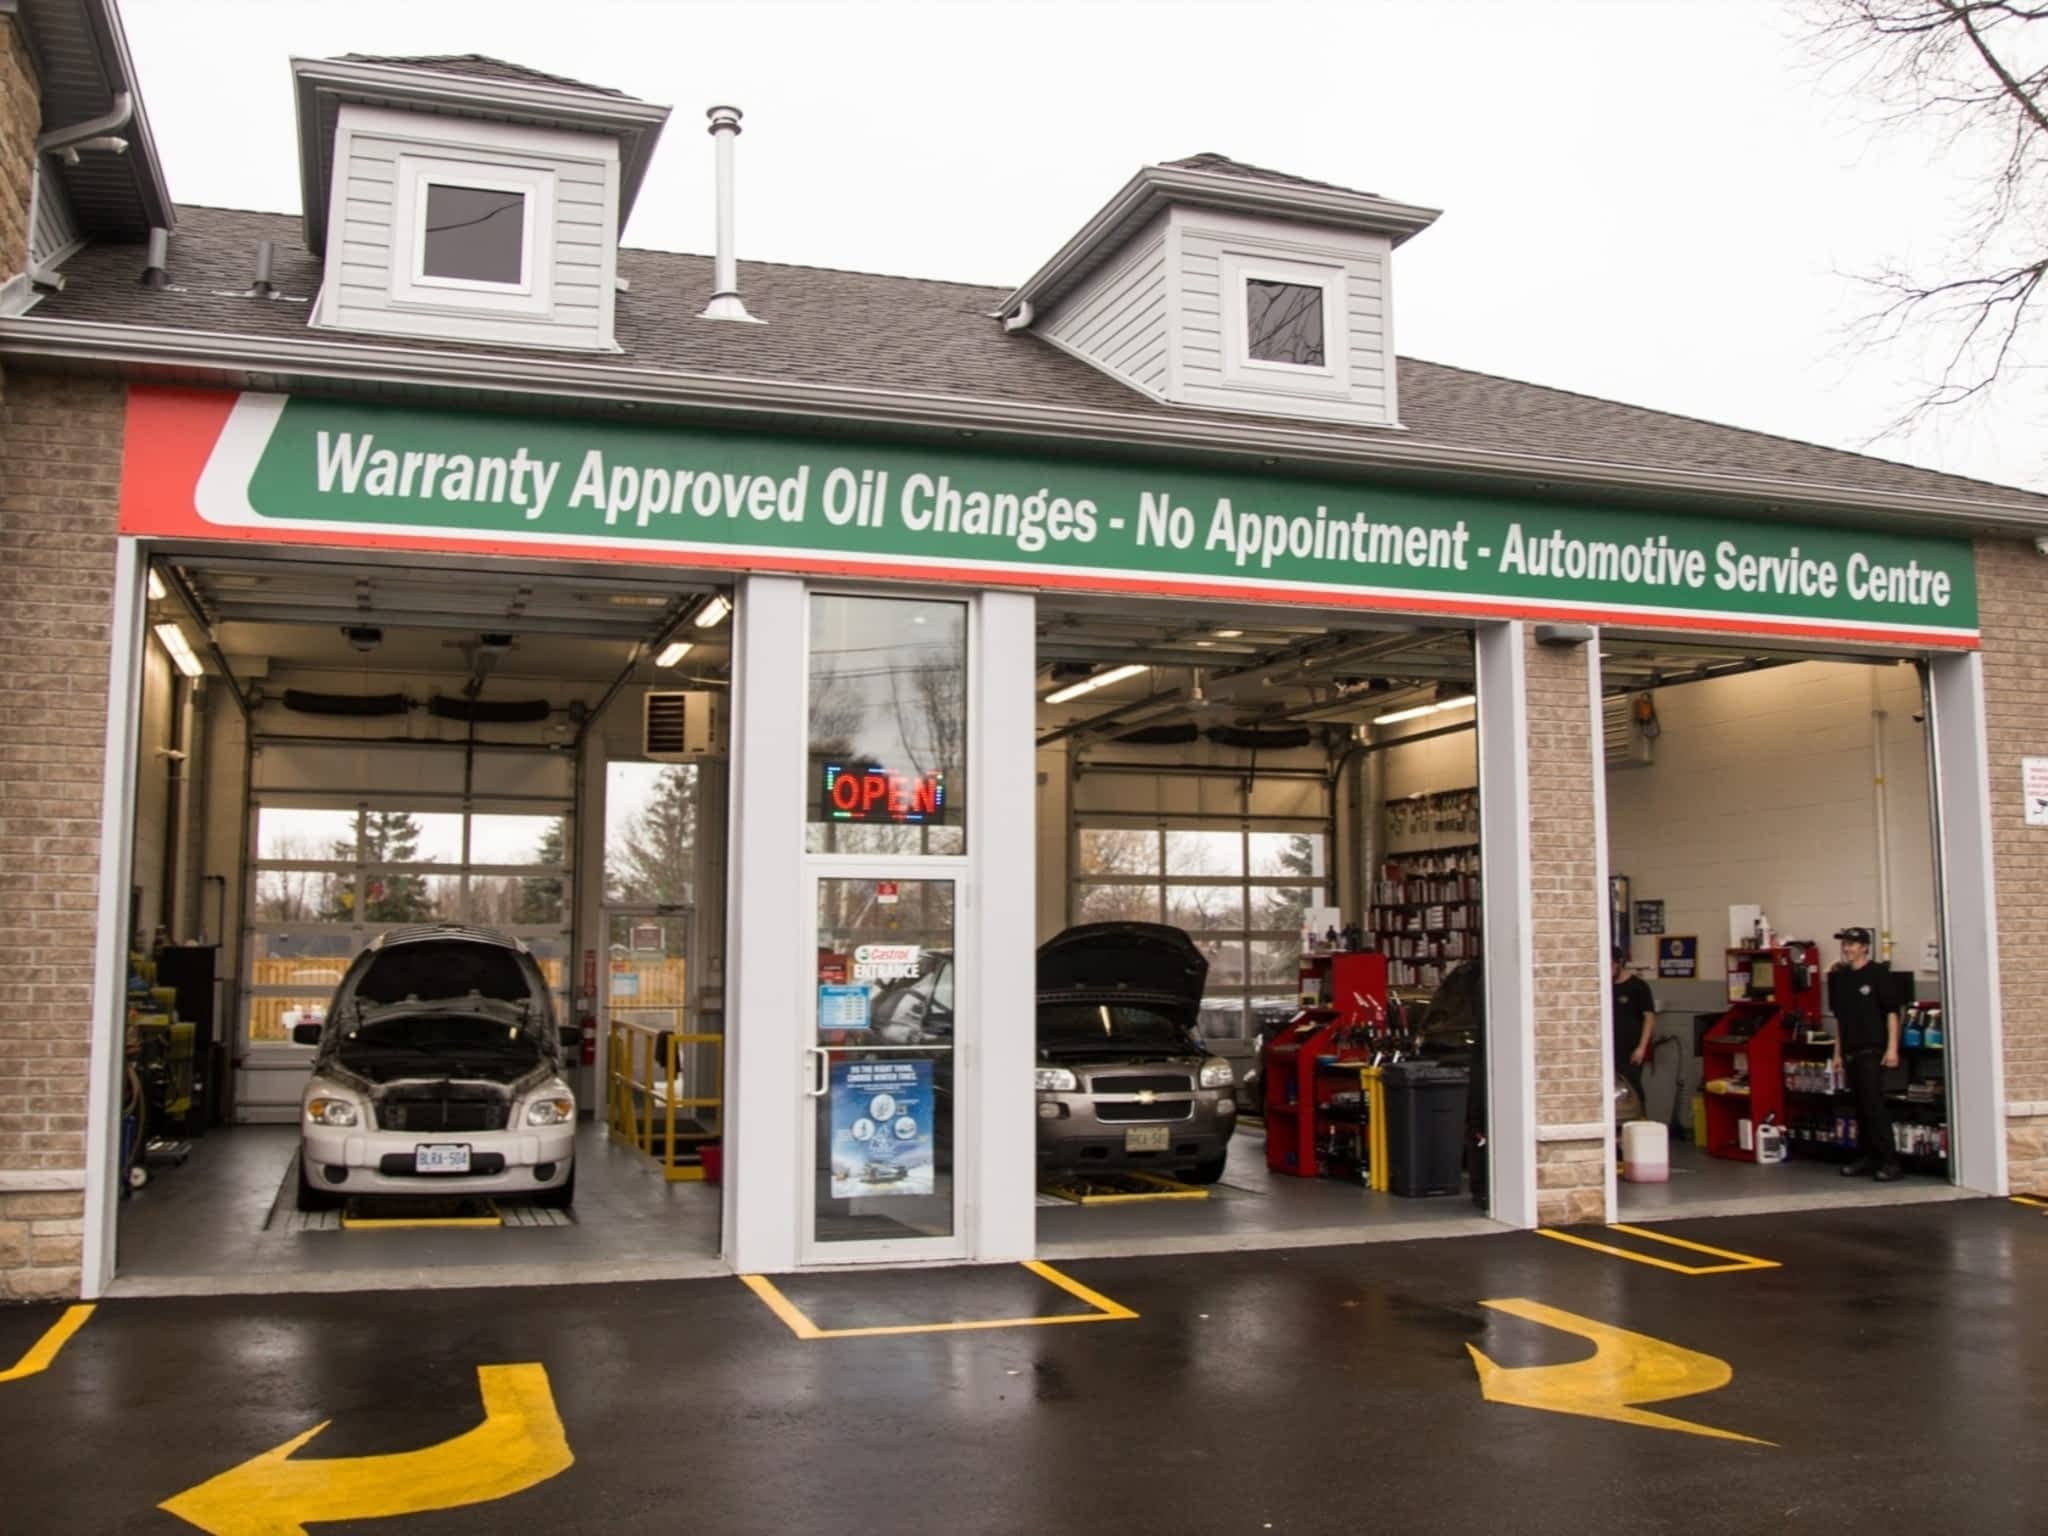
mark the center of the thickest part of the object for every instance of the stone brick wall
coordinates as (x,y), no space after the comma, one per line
(60,454)
(1570,968)
(21,119)
(2012,598)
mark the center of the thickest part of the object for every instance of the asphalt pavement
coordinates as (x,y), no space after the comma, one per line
(1874,1370)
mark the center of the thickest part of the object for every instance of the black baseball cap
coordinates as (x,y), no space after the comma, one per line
(1854,936)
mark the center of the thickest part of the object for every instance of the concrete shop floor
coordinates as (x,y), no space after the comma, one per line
(224,1221)
(1701,1185)
(1251,1208)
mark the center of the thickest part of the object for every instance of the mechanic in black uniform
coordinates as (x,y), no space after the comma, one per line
(1863,997)
(1635,1018)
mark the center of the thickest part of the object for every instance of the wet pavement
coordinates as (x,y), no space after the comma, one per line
(1892,1359)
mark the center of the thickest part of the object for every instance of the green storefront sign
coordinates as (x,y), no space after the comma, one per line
(621,491)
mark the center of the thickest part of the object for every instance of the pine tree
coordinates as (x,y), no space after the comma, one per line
(384,837)
(540,896)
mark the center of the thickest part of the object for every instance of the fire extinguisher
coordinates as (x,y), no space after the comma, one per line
(589,1040)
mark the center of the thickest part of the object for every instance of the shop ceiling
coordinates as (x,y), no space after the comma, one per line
(360,616)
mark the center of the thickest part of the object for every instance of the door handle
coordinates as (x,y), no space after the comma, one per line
(822,1076)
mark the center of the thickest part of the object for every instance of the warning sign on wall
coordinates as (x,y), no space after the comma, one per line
(2034,785)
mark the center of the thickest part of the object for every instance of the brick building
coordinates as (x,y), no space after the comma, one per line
(371,552)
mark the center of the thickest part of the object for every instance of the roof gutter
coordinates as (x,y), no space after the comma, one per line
(215,359)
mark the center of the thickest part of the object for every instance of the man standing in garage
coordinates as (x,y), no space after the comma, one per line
(1635,1020)
(1863,998)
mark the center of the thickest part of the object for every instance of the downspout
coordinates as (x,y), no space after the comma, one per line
(66,143)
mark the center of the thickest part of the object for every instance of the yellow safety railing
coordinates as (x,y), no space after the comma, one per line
(647,1084)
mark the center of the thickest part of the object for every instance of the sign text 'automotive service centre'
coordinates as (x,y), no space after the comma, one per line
(290,470)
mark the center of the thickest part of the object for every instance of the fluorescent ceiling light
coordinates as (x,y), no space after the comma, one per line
(1425,709)
(714,612)
(1229,634)
(157,591)
(673,652)
(174,641)
(1099,680)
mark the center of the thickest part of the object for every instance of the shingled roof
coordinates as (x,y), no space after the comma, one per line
(480,66)
(838,329)
(1223,165)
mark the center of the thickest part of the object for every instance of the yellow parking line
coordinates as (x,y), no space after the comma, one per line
(793,1317)
(44,1350)
(1737,1263)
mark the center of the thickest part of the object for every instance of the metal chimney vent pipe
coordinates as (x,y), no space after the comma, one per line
(157,273)
(725,282)
(266,258)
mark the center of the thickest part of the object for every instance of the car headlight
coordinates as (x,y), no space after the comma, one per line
(1216,1073)
(1056,1080)
(325,1111)
(556,1109)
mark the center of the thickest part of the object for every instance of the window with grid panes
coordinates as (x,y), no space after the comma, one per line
(1239,893)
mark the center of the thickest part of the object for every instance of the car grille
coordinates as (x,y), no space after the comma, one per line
(1178,1109)
(1157,1083)
(435,1113)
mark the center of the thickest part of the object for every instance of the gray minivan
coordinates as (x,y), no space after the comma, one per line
(1125,1082)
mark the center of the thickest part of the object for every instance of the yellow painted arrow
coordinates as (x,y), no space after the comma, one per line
(519,1444)
(1625,1369)
(44,1350)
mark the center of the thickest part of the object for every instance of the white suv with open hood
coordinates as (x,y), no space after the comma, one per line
(438,1072)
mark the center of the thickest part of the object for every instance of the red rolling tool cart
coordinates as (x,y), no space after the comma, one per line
(1774,993)
(1344,997)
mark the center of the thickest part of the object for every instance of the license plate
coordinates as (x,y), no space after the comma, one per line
(1148,1138)
(441,1159)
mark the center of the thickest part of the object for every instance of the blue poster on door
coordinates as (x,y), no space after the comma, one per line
(881,1128)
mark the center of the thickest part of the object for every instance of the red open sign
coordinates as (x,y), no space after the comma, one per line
(882,794)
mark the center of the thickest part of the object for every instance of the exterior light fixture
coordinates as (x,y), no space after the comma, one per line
(1090,684)
(1459,702)
(181,652)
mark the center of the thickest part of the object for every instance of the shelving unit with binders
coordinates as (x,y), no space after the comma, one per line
(1426,909)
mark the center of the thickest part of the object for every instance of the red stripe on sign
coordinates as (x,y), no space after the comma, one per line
(170,435)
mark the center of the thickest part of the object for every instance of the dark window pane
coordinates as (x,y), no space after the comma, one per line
(1284,322)
(474,234)
(888,706)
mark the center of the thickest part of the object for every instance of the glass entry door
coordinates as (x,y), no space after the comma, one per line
(881,1069)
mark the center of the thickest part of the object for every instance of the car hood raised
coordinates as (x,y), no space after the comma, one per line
(1148,963)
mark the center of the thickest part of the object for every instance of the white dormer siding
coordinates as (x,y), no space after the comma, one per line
(1118,319)
(1215,256)
(563,188)
(1169,315)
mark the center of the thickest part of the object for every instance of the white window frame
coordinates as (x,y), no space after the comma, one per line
(1240,367)
(410,283)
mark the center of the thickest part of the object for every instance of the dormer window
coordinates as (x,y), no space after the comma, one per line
(1284,322)
(474,232)
(461,198)
(1279,321)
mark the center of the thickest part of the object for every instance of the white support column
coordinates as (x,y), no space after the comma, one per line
(110,956)
(1602,939)
(1002,1133)
(766,1007)
(1510,921)
(1969,924)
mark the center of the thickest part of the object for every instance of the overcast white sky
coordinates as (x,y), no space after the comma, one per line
(1658,201)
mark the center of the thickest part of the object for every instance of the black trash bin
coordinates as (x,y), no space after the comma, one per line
(1425,1127)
